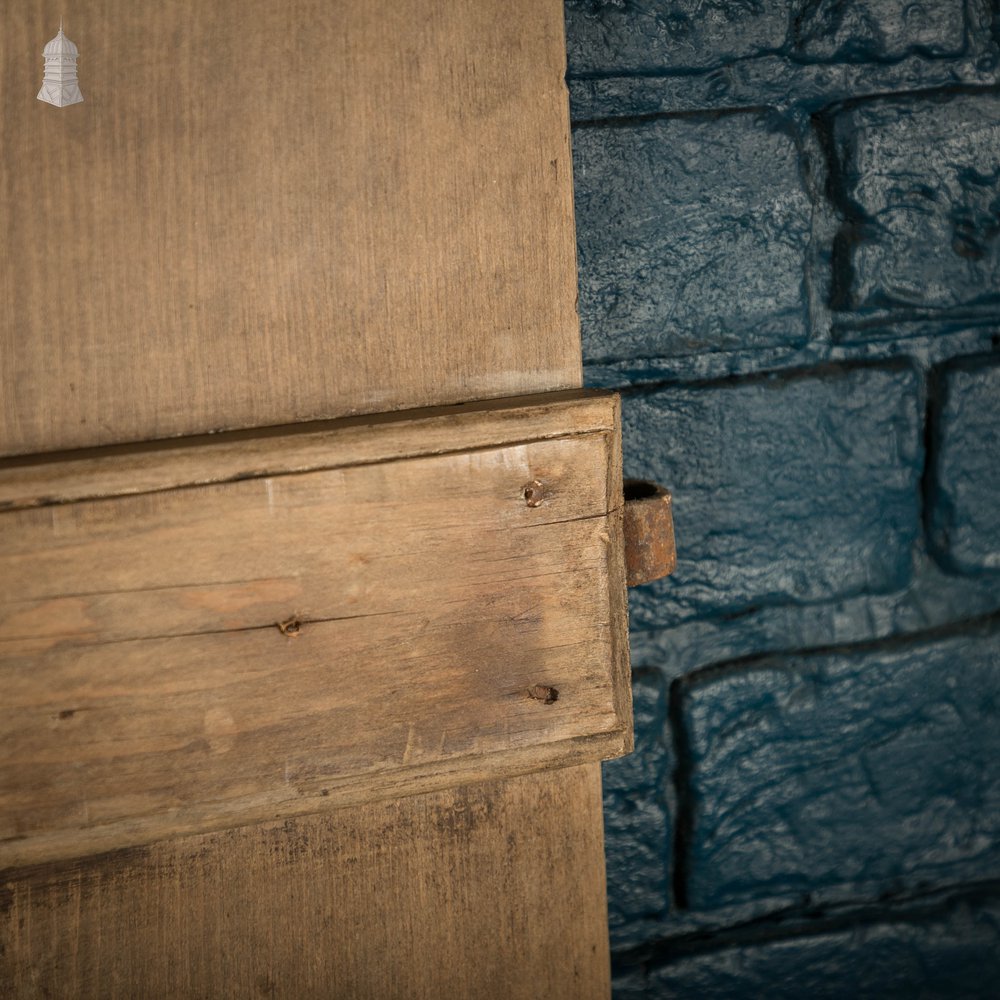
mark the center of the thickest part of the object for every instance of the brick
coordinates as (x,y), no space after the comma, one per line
(636,823)
(845,774)
(799,84)
(919,180)
(678,36)
(693,234)
(786,489)
(875,30)
(951,954)
(606,36)
(966,469)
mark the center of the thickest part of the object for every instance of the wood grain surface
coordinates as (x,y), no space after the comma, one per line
(264,213)
(87,474)
(268,211)
(485,892)
(153,685)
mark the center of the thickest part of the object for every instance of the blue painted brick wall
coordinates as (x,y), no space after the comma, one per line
(775,506)
(873,768)
(921,231)
(788,219)
(713,202)
(964,496)
(940,948)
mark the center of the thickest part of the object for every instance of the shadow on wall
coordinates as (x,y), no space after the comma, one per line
(788,217)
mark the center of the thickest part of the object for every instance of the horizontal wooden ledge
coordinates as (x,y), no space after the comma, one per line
(118,470)
(283,624)
(58,845)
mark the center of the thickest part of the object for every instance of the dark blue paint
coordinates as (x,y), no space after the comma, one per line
(637,802)
(632,36)
(946,950)
(965,487)
(788,218)
(715,204)
(846,774)
(787,489)
(641,57)
(919,183)
(625,37)
(865,31)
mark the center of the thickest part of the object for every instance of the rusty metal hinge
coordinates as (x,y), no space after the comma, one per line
(650,552)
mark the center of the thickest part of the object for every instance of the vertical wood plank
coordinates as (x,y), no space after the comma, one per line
(485,892)
(280,210)
(267,212)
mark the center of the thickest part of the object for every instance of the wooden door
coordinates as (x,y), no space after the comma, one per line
(308,668)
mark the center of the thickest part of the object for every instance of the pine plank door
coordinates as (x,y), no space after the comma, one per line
(312,617)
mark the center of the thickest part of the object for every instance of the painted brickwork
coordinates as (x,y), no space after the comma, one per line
(788,218)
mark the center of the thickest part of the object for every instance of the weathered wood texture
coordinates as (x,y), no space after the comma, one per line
(41,480)
(148,688)
(266,212)
(452,894)
(279,210)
